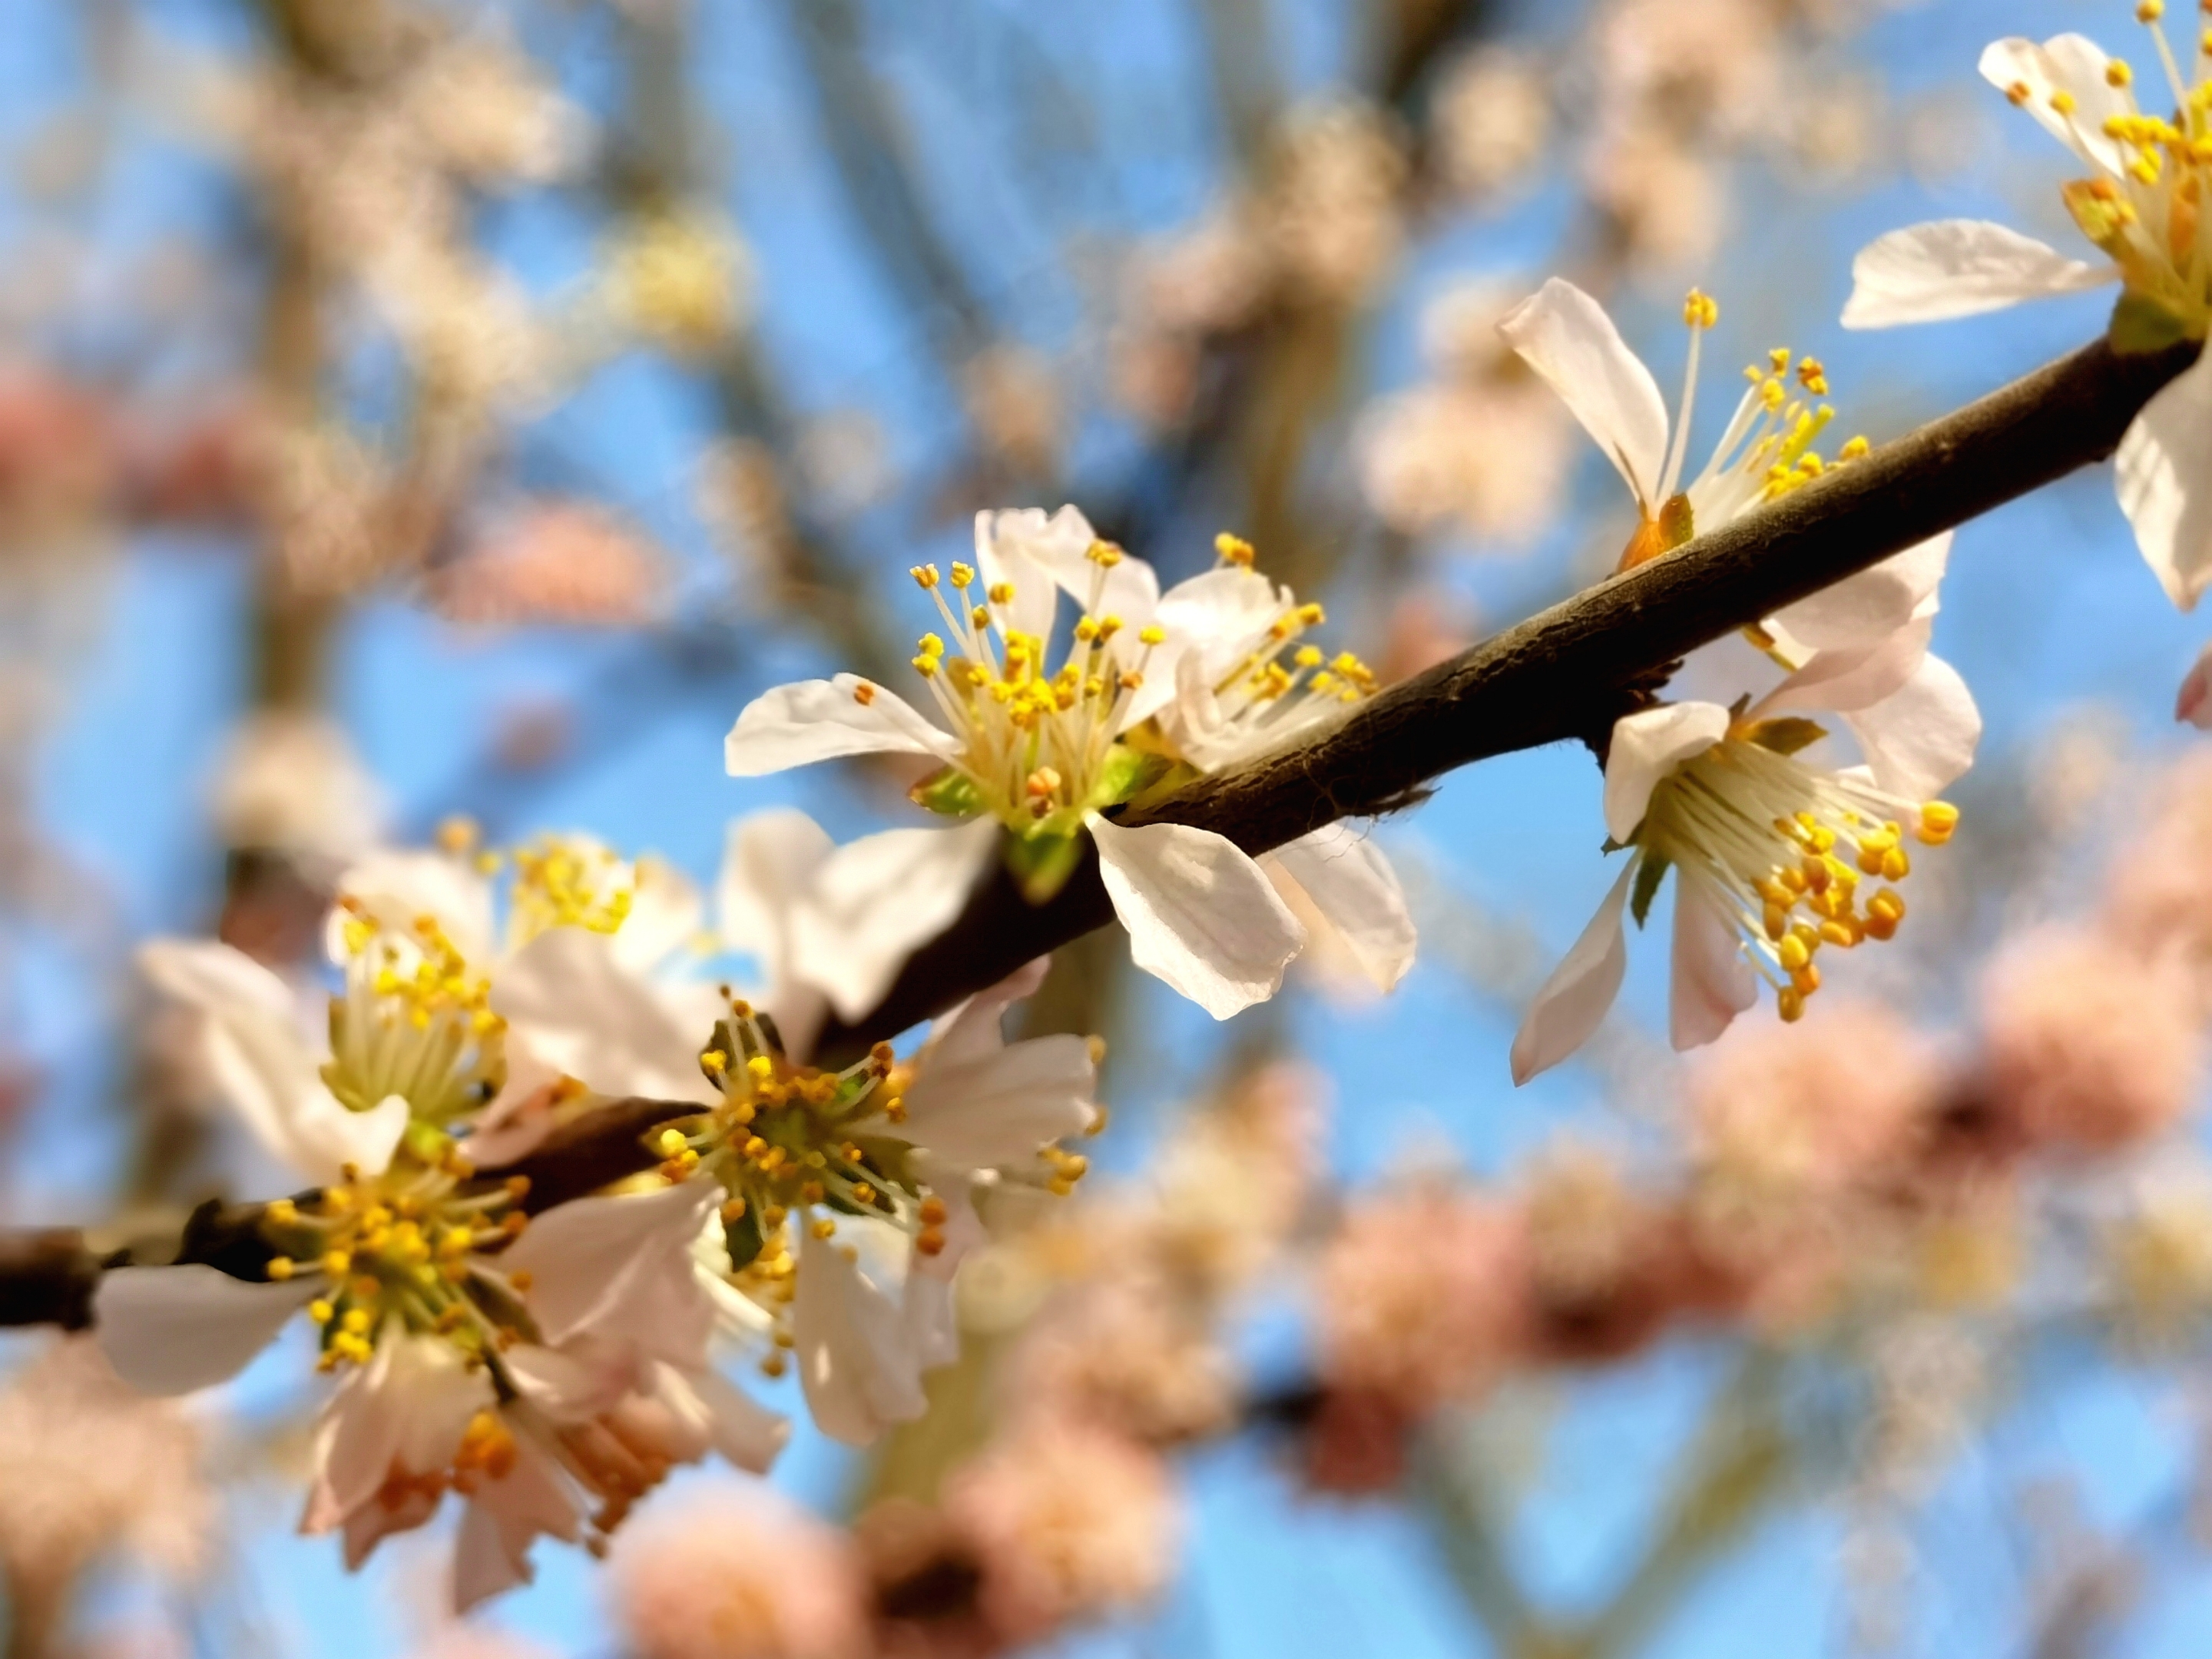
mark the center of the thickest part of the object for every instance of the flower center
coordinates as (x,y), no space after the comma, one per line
(1038,741)
(1265,696)
(1781,851)
(413,1021)
(403,1246)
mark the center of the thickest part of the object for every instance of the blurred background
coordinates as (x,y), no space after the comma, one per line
(419,408)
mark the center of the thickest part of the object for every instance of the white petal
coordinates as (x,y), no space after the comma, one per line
(1000,1107)
(1959,268)
(1351,898)
(822,719)
(976,1027)
(2193,702)
(1920,738)
(396,887)
(1860,609)
(1200,913)
(855,1364)
(1565,337)
(1060,548)
(1581,988)
(252,1036)
(746,1433)
(171,1330)
(1647,746)
(482,1566)
(1713,981)
(1017,546)
(580,1010)
(1853,676)
(410,1404)
(665,917)
(2071,64)
(2164,474)
(876,899)
(1224,613)
(620,1267)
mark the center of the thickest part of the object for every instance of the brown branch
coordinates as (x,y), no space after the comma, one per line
(1565,674)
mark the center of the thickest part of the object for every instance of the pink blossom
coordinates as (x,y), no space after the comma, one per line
(736,1572)
(556,561)
(1421,1297)
(2087,1044)
(2158,895)
(1069,1522)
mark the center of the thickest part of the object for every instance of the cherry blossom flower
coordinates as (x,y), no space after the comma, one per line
(1032,759)
(1068,1522)
(1246,684)
(738,1574)
(2089,1045)
(550,1369)
(1766,451)
(2141,208)
(1736,800)
(845,1195)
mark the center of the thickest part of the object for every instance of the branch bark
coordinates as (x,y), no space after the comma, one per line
(1565,673)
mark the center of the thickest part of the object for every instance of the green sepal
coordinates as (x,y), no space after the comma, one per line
(1124,772)
(1651,871)
(1786,735)
(1041,863)
(744,1238)
(948,792)
(2141,326)
(426,1143)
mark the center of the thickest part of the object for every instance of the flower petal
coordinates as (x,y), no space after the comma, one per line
(1565,337)
(976,1027)
(1581,988)
(1000,1107)
(1024,549)
(1861,609)
(1200,913)
(665,915)
(1341,887)
(2071,64)
(2164,474)
(1712,980)
(1059,548)
(2193,702)
(1959,268)
(171,1330)
(876,899)
(768,861)
(1853,676)
(395,887)
(620,1267)
(855,1364)
(1922,737)
(569,997)
(822,719)
(1647,746)
(746,1433)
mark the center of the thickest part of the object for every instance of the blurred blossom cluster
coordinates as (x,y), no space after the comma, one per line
(518,391)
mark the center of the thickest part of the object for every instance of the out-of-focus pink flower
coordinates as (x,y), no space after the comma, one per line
(1335,213)
(1490,121)
(2086,1043)
(290,782)
(198,467)
(738,1573)
(1070,1522)
(1014,401)
(1421,1298)
(91,1469)
(59,450)
(1209,279)
(1798,1114)
(474,1641)
(924,1584)
(556,561)
(2158,896)
(1122,1352)
(1427,626)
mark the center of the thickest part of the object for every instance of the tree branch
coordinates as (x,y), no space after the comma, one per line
(1565,673)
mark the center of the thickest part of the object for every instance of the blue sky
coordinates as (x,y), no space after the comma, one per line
(2047,606)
